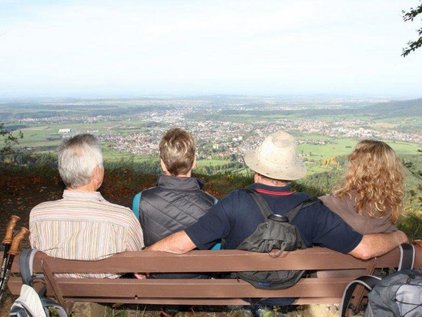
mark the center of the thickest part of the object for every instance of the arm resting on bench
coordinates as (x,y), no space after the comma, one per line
(377,244)
(178,242)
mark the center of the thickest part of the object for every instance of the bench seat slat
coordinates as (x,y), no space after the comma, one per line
(201,301)
(221,288)
(200,288)
(168,301)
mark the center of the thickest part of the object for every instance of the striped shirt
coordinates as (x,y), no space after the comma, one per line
(84,226)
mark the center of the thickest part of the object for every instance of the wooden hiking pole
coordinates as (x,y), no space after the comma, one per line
(14,250)
(8,237)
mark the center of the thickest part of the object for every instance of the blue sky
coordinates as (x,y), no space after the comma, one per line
(138,48)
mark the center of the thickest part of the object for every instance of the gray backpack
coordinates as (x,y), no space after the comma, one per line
(397,295)
(31,303)
(278,234)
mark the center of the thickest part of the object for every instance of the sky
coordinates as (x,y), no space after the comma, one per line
(133,48)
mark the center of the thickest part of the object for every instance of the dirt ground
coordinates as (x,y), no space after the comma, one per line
(19,193)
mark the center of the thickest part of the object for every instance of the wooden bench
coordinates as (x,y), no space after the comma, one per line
(310,290)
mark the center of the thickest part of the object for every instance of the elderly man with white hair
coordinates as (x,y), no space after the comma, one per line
(276,163)
(83,225)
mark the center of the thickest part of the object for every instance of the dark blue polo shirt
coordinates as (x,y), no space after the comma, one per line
(236,217)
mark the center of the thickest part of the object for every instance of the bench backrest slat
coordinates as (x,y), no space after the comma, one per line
(214,261)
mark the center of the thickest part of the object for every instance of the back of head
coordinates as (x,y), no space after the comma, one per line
(177,150)
(375,173)
(77,159)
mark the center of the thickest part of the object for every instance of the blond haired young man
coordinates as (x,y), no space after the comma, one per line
(178,199)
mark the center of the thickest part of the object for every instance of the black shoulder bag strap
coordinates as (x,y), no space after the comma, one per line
(267,212)
(293,212)
(260,201)
(407,260)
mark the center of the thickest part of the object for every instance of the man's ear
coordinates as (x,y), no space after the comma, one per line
(194,163)
(163,167)
(98,177)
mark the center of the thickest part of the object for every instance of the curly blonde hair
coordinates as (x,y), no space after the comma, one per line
(375,175)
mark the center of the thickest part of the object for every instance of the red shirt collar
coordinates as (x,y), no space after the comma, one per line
(273,193)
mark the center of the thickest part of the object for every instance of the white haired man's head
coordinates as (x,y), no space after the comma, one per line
(78,158)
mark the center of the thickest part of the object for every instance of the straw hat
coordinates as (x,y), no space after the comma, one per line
(277,158)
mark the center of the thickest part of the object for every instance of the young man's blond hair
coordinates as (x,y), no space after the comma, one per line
(177,152)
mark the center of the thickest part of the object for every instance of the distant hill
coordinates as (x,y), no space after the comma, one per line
(390,109)
(395,108)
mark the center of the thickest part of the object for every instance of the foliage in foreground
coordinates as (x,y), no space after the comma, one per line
(8,139)
(123,180)
(411,223)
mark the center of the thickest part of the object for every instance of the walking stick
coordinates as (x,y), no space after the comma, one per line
(14,250)
(8,237)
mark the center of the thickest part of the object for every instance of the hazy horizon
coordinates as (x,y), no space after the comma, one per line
(137,49)
(304,98)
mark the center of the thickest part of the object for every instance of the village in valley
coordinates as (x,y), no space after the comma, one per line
(222,129)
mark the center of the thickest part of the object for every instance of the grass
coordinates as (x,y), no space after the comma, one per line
(113,156)
(202,163)
(343,146)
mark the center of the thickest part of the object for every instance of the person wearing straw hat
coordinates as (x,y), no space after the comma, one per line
(275,164)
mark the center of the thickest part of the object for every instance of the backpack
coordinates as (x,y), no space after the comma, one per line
(135,204)
(397,295)
(31,303)
(275,233)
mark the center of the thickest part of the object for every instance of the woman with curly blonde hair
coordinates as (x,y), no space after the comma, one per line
(370,197)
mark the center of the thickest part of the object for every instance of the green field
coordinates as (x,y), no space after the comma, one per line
(316,155)
(344,146)
(203,163)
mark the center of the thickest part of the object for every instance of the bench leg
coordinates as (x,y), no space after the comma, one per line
(58,294)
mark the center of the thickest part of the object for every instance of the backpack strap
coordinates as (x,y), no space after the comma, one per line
(407,260)
(368,281)
(407,256)
(135,204)
(293,212)
(266,210)
(26,260)
(218,245)
(260,201)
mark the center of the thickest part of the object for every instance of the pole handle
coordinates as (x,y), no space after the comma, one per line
(418,242)
(14,248)
(8,237)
